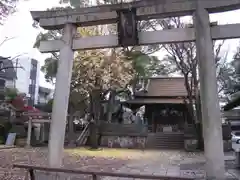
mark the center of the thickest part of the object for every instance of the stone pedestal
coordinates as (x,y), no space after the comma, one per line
(227,145)
(190,145)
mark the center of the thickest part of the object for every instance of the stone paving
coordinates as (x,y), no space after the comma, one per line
(184,165)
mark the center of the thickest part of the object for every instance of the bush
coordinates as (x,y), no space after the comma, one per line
(19,130)
(2,140)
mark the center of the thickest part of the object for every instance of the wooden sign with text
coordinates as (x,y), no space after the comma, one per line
(127,28)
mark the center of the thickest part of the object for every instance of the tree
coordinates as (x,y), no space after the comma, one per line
(45,107)
(10,93)
(232,76)
(7,7)
(97,72)
(92,70)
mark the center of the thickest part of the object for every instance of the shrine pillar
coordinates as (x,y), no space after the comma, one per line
(61,97)
(211,117)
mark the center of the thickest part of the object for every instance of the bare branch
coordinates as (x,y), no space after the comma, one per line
(6,39)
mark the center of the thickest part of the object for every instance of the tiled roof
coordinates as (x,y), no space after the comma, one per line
(165,87)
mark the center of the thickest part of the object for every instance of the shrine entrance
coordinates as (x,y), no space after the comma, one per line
(126,16)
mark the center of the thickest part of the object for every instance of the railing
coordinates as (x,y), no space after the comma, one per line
(80,139)
(95,174)
(37,115)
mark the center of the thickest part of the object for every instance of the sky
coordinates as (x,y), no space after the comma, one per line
(19,27)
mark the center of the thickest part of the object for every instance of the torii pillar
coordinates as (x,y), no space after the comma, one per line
(61,97)
(212,124)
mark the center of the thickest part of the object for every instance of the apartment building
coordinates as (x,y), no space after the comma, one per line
(28,78)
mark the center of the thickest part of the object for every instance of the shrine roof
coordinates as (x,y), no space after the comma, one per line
(164,87)
(146,101)
(232,104)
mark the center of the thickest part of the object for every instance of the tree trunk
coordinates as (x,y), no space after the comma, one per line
(190,98)
(110,105)
(197,103)
(93,135)
(134,85)
(96,110)
(191,109)
(199,122)
(71,129)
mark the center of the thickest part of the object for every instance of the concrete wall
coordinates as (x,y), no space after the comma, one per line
(123,142)
(122,129)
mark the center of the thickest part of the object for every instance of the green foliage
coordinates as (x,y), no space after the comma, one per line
(50,65)
(105,69)
(90,66)
(50,68)
(19,130)
(145,65)
(49,105)
(11,93)
(45,107)
(2,140)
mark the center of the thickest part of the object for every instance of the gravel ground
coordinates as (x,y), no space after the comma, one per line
(159,162)
(38,156)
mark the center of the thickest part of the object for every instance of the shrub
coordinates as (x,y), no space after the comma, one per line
(2,140)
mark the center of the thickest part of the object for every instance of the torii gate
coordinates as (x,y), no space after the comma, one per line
(202,33)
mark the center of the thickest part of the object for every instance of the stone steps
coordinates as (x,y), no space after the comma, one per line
(165,141)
